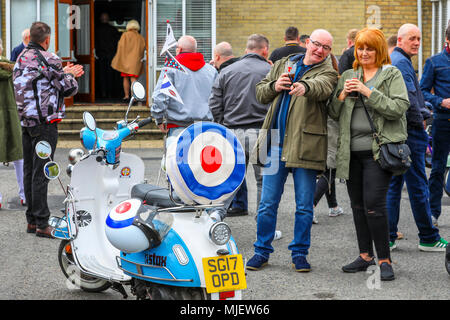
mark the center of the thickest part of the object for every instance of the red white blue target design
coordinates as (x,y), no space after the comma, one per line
(123,214)
(206,164)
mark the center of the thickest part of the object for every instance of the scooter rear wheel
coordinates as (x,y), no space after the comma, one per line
(73,273)
(144,290)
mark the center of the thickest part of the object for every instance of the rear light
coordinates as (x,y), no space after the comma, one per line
(226,295)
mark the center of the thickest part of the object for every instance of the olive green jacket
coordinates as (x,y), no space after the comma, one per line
(10,129)
(305,141)
(389,102)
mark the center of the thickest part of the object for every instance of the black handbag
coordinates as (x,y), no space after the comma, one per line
(394,156)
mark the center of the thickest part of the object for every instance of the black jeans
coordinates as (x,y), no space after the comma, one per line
(34,180)
(367,188)
(326,185)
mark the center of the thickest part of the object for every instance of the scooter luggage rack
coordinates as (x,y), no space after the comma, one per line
(57,230)
(66,234)
(139,273)
(195,207)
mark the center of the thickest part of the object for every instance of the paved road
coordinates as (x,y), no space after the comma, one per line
(29,267)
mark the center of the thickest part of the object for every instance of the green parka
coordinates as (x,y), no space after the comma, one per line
(305,141)
(389,102)
(10,129)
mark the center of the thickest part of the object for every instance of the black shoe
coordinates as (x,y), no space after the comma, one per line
(358,265)
(234,212)
(386,272)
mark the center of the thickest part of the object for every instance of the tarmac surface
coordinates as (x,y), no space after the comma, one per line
(29,268)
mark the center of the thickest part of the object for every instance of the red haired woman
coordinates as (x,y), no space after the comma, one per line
(382,88)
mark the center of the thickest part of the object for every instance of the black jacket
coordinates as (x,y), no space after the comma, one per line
(346,60)
(288,49)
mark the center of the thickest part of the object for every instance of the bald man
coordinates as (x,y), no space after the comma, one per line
(25,40)
(223,56)
(408,44)
(193,86)
(293,138)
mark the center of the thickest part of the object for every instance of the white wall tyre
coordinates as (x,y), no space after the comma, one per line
(75,278)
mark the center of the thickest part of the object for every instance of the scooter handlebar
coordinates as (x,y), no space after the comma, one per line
(144,122)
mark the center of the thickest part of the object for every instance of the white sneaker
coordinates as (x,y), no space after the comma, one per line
(434,221)
(335,212)
(278,235)
(315,221)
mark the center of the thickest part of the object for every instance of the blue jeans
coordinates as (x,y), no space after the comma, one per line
(240,199)
(417,185)
(247,138)
(272,190)
(441,148)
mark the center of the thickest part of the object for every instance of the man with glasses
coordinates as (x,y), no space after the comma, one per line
(294,138)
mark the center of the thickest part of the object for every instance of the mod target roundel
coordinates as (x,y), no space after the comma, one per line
(206,164)
(123,214)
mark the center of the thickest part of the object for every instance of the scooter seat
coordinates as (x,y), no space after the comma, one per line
(154,195)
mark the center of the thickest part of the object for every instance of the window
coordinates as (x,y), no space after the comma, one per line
(23,13)
(440,21)
(193,17)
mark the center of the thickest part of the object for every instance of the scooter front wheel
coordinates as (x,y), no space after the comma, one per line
(73,273)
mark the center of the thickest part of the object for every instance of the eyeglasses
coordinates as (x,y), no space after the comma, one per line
(319,45)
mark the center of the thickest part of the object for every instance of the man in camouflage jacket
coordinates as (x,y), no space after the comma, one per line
(40,86)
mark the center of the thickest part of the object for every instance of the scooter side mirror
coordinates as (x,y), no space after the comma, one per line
(138,91)
(43,149)
(51,170)
(89,121)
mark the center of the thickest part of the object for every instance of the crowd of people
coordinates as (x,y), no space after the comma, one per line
(302,111)
(299,110)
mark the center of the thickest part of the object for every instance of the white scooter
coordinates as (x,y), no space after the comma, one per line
(119,231)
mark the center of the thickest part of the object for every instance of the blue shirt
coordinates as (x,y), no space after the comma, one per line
(417,111)
(436,75)
(16,51)
(286,99)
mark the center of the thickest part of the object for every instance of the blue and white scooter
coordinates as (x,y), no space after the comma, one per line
(118,231)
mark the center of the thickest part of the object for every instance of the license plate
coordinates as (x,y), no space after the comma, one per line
(224,273)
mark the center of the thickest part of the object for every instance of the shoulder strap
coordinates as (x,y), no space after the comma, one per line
(41,59)
(372,125)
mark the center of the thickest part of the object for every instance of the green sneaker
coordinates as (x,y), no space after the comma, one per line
(437,246)
(392,245)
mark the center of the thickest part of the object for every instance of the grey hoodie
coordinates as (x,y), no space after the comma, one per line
(194,89)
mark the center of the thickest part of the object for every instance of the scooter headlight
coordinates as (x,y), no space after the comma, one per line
(220,233)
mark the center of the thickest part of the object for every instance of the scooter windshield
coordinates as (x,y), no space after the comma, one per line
(163,223)
(158,222)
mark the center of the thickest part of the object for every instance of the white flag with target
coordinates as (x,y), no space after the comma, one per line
(169,89)
(205,164)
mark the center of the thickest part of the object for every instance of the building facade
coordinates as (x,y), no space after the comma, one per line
(212,21)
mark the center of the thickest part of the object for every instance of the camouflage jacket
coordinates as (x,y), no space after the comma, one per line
(40,86)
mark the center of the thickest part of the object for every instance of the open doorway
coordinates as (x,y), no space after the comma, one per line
(111,18)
